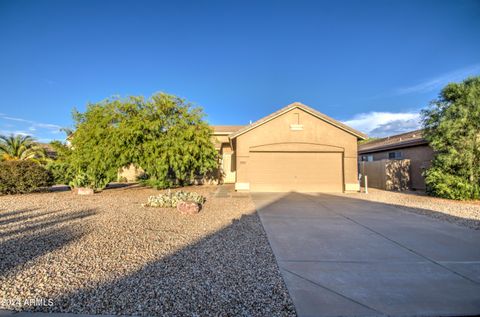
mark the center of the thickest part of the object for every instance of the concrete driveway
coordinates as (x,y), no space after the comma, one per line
(342,256)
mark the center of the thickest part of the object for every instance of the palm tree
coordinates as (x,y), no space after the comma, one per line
(20,147)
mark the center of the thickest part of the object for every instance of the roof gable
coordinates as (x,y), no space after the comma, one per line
(305,108)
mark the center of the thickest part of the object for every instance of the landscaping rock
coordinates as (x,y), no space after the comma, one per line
(462,213)
(84,191)
(104,254)
(189,208)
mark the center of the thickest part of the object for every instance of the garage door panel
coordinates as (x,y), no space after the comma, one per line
(293,171)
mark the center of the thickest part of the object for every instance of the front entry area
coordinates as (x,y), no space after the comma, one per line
(296,171)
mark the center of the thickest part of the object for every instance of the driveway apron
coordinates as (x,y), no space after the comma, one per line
(341,256)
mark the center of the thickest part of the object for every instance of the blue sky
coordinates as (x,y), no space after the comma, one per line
(371,64)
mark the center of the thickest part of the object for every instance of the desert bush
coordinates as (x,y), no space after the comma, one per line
(171,199)
(449,186)
(156,183)
(80,180)
(84,179)
(61,171)
(17,177)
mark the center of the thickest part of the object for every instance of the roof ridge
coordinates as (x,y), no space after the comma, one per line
(389,137)
(414,136)
(304,107)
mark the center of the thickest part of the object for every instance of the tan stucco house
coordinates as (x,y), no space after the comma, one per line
(293,149)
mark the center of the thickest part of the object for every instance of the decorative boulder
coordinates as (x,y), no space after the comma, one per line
(189,208)
(84,191)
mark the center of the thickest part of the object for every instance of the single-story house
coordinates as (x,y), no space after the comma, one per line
(295,148)
(410,145)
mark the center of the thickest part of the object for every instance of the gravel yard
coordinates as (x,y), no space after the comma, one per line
(462,213)
(105,254)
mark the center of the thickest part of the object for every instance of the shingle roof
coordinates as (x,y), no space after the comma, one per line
(226,129)
(395,141)
(312,111)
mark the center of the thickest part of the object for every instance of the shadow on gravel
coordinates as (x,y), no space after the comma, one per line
(15,212)
(229,273)
(20,245)
(65,188)
(25,216)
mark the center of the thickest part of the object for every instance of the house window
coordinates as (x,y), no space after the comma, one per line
(367,158)
(395,155)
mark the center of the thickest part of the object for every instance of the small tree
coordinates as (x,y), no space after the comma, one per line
(452,126)
(165,135)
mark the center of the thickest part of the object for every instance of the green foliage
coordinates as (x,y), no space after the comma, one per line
(171,199)
(60,167)
(23,176)
(62,172)
(157,183)
(450,186)
(164,135)
(80,180)
(452,126)
(62,151)
(20,147)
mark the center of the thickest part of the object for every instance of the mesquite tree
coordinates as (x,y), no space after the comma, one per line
(164,135)
(452,126)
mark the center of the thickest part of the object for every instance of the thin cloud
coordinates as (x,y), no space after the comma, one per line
(440,81)
(14,132)
(47,126)
(14,119)
(20,126)
(381,124)
(33,124)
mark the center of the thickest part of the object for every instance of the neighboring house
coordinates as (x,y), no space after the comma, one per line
(294,149)
(411,146)
(49,150)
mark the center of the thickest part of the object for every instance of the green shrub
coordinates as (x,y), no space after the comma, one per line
(171,199)
(96,182)
(449,186)
(80,180)
(62,172)
(17,177)
(156,183)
